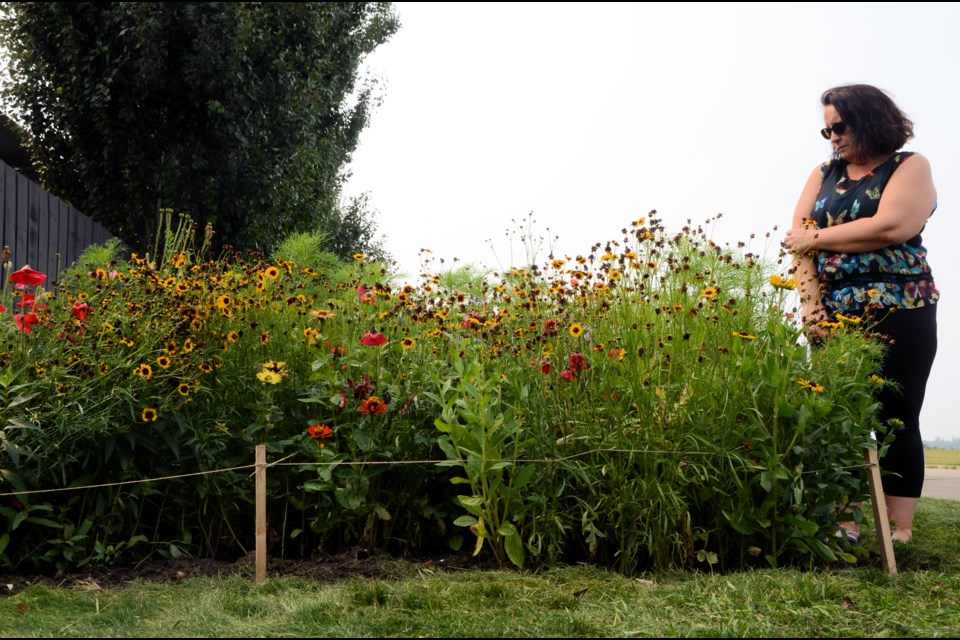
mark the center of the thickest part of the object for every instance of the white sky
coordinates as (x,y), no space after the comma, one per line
(590,115)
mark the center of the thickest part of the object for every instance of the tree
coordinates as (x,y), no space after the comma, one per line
(243,114)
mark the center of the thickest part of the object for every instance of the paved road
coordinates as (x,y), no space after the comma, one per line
(941,483)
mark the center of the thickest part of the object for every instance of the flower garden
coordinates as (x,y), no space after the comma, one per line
(650,403)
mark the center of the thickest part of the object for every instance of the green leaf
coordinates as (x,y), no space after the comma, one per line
(512,543)
(465,521)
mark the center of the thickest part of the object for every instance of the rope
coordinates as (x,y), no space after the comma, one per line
(281,463)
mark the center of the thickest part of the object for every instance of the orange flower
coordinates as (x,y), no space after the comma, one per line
(318,431)
(373,405)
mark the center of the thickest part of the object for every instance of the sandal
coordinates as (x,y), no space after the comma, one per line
(852,537)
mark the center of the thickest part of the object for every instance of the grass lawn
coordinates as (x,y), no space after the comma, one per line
(942,457)
(576,601)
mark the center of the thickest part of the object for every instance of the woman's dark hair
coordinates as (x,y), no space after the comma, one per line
(879,127)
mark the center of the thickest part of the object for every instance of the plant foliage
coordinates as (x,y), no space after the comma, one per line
(243,114)
(649,403)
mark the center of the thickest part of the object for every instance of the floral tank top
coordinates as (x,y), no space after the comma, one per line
(894,276)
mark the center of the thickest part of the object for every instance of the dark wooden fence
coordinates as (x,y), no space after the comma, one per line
(37,226)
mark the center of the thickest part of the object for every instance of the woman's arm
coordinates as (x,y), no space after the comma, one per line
(905,205)
(808,284)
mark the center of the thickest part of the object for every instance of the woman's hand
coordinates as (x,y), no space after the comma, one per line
(801,240)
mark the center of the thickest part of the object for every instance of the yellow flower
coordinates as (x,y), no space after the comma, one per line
(848,319)
(183,389)
(149,415)
(359,257)
(576,330)
(745,336)
(873,293)
(709,292)
(408,343)
(783,283)
(877,379)
(233,336)
(163,362)
(268,377)
(144,371)
(272,272)
(223,302)
(276,366)
(265,337)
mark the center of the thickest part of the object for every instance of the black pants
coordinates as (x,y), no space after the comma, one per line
(907,362)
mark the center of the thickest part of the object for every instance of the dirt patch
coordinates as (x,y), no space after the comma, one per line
(354,563)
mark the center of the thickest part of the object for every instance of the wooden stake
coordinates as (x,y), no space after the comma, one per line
(880,516)
(261,495)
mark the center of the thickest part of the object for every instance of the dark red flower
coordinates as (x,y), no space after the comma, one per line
(363,389)
(373,338)
(26,275)
(577,362)
(545,368)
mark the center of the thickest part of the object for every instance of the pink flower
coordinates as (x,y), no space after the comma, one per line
(373,338)
(26,276)
(25,321)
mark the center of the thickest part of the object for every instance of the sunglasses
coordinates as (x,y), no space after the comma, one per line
(839,128)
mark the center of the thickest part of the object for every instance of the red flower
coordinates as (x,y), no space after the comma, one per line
(568,375)
(318,431)
(80,311)
(2,308)
(373,405)
(373,338)
(26,300)
(26,275)
(550,326)
(25,321)
(545,368)
(577,362)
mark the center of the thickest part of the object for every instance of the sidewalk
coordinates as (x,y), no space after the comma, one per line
(941,483)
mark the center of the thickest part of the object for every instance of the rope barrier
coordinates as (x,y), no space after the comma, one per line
(281,463)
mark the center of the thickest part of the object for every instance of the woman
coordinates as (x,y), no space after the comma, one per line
(857,251)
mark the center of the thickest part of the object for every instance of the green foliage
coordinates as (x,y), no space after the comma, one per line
(485,440)
(649,404)
(242,114)
(306,249)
